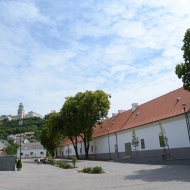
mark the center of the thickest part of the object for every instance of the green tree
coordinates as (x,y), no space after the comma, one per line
(70,125)
(33,124)
(135,140)
(93,108)
(50,135)
(162,136)
(183,70)
(82,112)
(12,148)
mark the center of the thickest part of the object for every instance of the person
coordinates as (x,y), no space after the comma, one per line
(45,160)
(38,161)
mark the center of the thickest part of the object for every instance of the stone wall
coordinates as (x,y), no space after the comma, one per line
(7,163)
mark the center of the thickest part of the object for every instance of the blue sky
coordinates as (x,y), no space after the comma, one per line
(53,49)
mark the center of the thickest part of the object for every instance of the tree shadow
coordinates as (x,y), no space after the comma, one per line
(164,173)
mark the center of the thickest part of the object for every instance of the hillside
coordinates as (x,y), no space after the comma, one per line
(34,124)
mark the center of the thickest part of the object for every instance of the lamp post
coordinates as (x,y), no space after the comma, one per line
(187,119)
(20,124)
(109,143)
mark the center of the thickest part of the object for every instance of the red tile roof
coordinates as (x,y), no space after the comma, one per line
(163,107)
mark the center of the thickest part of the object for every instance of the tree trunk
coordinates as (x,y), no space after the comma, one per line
(76,152)
(75,145)
(86,146)
(52,154)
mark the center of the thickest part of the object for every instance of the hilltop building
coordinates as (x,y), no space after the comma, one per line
(21,114)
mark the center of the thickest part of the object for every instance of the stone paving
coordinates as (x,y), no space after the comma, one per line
(121,176)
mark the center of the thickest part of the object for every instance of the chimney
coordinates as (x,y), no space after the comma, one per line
(113,114)
(134,106)
(121,111)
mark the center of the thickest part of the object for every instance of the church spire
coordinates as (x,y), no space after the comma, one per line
(21,113)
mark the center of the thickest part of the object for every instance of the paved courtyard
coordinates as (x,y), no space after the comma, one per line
(122,176)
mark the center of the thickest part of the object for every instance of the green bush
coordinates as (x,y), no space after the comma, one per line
(52,162)
(95,170)
(74,161)
(67,166)
(59,163)
(19,164)
(64,165)
(87,170)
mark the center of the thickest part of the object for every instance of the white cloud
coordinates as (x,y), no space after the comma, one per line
(50,50)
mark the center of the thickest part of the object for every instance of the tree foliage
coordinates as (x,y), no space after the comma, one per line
(162,136)
(50,135)
(183,70)
(80,114)
(135,140)
(33,124)
(70,119)
(12,148)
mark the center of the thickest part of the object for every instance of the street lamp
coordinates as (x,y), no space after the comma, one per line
(187,120)
(109,144)
(20,124)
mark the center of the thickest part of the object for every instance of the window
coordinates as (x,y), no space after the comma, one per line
(142,144)
(21,153)
(31,153)
(80,150)
(92,148)
(41,152)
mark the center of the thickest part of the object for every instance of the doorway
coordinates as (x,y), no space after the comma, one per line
(128,151)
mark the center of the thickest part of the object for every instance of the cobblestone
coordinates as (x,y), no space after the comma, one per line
(120,176)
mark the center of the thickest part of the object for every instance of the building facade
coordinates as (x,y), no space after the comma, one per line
(31,150)
(112,139)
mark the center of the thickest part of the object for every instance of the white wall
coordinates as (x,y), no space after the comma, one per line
(36,153)
(175,128)
(69,148)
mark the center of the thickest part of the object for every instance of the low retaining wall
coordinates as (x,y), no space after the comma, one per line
(7,163)
(155,160)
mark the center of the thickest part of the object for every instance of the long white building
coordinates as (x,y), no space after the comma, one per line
(113,138)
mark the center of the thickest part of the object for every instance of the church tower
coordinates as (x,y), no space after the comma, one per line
(21,113)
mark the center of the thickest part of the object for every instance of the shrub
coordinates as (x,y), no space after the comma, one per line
(74,161)
(60,163)
(95,170)
(67,166)
(87,170)
(19,164)
(52,162)
(63,165)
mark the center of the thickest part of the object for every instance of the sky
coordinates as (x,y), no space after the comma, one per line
(53,49)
